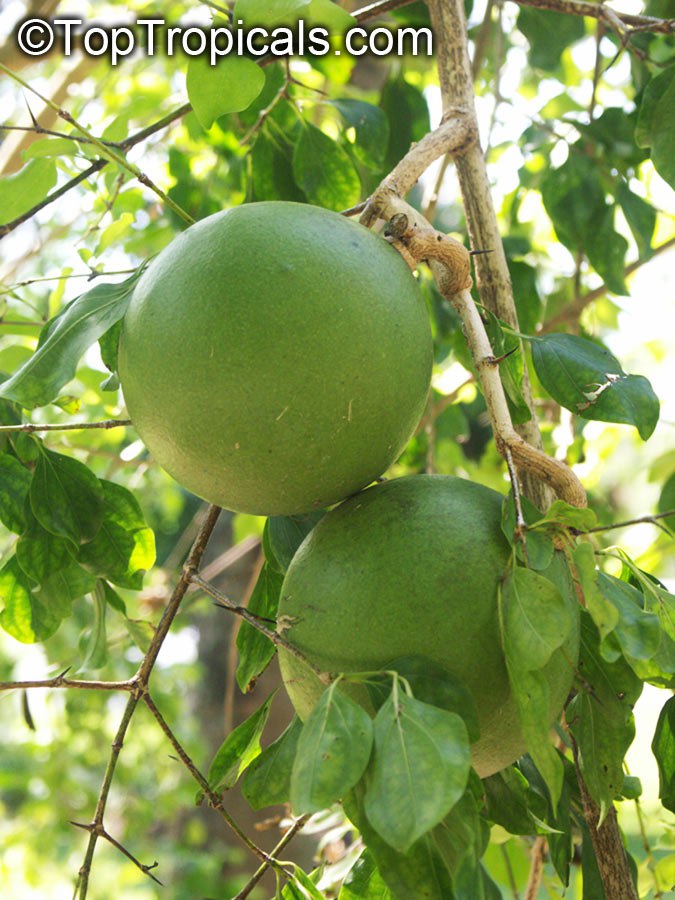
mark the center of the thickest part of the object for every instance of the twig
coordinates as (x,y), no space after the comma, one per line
(521,524)
(147,870)
(641,520)
(214,800)
(258,874)
(598,11)
(574,310)
(260,625)
(60,681)
(71,426)
(140,689)
(536,868)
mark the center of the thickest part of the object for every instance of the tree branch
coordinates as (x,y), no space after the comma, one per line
(598,11)
(31,427)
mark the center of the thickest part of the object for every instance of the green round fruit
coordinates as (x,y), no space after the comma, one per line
(410,568)
(276,357)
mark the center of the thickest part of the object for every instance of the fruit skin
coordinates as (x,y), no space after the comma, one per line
(411,568)
(276,357)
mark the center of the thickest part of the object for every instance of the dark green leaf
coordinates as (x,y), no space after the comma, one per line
(23,190)
(140,632)
(113,599)
(430,683)
(419,770)
(283,535)
(267,781)
(371,130)
(548,33)
(239,749)
(41,553)
(324,170)
(459,836)
(537,619)
(526,294)
(272,172)
(65,339)
(25,615)
(656,122)
(506,795)
(364,882)
(14,485)
(408,115)
(667,499)
(606,250)
(600,717)
(663,747)
(59,588)
(419,873)
(589,381)
(230,86)
(109,344)
(123,549)
(333,752)
(255,649)
(66,497)
(640,215)
(637,631)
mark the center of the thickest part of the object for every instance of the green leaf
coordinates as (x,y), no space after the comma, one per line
(109,344)
(301,887)
(656,123)
(229,86)
(637,631)
(113,599)
(66,497)
(371,130)
(460,835)
(419,873)
(531,694)
(64,340)
(41,553)
(430,683)
(548,33)
(272,171)
(239,749)
(49,147)
(419,770)
(26,188)
(602,611)
(255,649)
(333,751)
(408,114)
(663,748)
(537,619)
(566,516)
(14,484)
(283,535)
(25,615)
(267,781)
(269,13)
(587,379)
(95,645)
(507,800)
(324,170)
(329,15)
(606,250)
(640,215)
(506,348)
(123,549)
(364,882)
(600,717)
(60,588)
(667,498)
(539,544)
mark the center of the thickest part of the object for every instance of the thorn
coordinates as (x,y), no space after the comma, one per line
(30,113)
(477,252)
(504,356)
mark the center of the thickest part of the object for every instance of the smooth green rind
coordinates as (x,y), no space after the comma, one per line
(276,357)
(411,568)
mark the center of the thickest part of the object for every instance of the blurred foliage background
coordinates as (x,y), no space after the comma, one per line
(585,217)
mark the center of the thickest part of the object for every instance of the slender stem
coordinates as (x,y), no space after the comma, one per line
(641,520)
(71,426)
(258,874)
(536,868)
(596,11)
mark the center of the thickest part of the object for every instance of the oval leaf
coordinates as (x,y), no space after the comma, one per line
(230,86)
(589,381)
(239,749)
(14,484)
(324,170)
(419,771)
(267,780)
(66,497)
(333,752)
